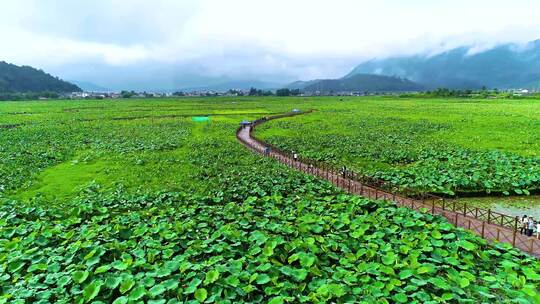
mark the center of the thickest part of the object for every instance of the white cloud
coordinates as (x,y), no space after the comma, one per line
(279,38)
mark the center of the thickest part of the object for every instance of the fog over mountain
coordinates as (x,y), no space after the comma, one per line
(358,83)
(505,66)
(170,44)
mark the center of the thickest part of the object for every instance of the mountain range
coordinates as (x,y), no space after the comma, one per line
(90,86)
(235,84)
(25,79)
(505,67)
(358,83)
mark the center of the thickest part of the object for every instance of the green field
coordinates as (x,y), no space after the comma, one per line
(132,201)
(454,147)
(61,148)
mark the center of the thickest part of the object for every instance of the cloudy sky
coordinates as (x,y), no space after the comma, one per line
(182,43)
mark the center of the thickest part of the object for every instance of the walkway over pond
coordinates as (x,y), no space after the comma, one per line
(490,225)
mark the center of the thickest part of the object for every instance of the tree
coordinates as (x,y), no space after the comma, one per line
(283,92)
(236,92)
(127,94)
(295,92)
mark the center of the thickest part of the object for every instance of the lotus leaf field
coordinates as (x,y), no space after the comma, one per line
(443,147)
(134,202)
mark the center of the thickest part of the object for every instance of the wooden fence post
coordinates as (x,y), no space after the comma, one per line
(489,216)
(483,227)
(326,172)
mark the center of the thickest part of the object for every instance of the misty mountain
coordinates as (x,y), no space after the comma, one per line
(361,83)
(302,84)
(159,77)
(505,66)
(25,79)
(90,86)
(235,84)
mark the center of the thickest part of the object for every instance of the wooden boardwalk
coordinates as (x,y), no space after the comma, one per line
(489,225)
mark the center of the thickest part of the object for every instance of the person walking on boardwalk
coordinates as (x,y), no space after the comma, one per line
(530,226)
(267,151)
(295,156)
(538,230)
(344,171)
(524,225)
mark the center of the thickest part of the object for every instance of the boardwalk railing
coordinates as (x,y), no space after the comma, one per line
(490,225)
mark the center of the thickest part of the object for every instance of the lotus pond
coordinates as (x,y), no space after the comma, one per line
(449,147)
(134,202)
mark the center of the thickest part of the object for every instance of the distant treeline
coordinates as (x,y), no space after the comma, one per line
(28,96)
(251,92)
(483,93)
(279,92)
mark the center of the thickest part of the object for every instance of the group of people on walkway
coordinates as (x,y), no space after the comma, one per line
(529,226)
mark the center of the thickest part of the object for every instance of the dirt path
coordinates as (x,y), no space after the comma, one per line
(486,229)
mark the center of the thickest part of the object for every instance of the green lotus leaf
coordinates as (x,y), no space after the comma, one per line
(80,276)
(92,290)
(201,294)
(126,285)
(156,290)
(276,300)
(211,276)
(120,300)
(263,279)
(137,293)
